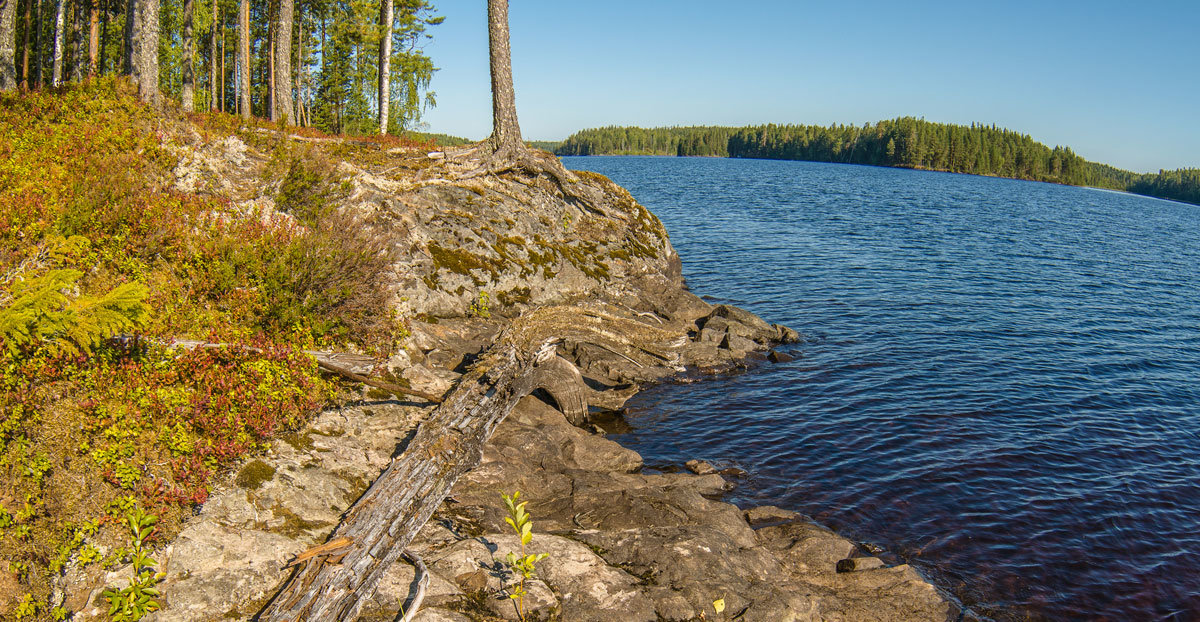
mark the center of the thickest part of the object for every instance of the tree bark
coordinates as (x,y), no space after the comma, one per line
(336,585)
(506,132)
(60,11)
(8,42)
(78,17)
(282,106)
(386,18)
(93,38)
(37,44)
(187,90)
(127,49)
(25,47)
(214,62)
(244,58)
(141,59)
(104,17)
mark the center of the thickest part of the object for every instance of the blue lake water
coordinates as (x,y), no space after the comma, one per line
(1000,385)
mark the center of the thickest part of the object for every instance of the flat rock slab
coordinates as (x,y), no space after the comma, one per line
(230,558)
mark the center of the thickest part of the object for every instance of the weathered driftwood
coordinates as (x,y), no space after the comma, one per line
(385,519)
(422,578)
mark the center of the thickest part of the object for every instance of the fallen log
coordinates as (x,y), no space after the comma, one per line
(391,512)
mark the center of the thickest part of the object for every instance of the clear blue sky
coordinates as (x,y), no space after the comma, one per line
(1119,82)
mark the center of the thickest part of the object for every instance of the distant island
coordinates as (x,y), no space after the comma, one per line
(905,142)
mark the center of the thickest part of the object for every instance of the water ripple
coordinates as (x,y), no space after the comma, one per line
(998,384)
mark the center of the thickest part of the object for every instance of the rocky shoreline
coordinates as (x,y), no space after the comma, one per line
(649,546)
(621,543)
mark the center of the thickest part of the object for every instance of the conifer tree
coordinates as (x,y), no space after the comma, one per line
(8,35)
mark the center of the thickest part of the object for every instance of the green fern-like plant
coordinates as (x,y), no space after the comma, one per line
(43,311)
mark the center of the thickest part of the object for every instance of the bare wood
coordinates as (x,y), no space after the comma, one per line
(422,578)
(329,548)
(391,512)
(379,384)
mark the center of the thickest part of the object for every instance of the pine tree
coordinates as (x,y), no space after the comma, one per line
(8,35)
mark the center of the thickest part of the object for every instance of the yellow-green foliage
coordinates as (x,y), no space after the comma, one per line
(94,242)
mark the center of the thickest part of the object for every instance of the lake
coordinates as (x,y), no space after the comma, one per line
(999,383)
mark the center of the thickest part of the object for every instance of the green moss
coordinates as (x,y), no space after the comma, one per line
(464,262)
(252,476)
(293,526)
(299,441)
(516,295)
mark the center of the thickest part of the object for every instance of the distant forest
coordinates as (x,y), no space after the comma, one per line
(905,142)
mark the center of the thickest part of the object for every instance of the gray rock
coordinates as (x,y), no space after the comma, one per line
(786,335)
(700,467)
(776,356)
(538,599)
(439,615)
(738,343)
(858,564)
(766,515)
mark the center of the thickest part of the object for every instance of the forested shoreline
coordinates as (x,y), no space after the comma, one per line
(338,66)
(905,142)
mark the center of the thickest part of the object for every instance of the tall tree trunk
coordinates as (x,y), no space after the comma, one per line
(299,69)
(386,17)
(93,38)
(244,57)
(187,90)
(37,44)
(268,52)
(142,41)
(127,44)
(213,59)
(77,20)
(282,106)
(223,76)
(104,17)
(60,9)
(25,47)
(8,43)
(506,132)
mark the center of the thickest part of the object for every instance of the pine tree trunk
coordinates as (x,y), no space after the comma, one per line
(386,17)
(127,46)
(187,91)
(78,17)
(281,103)
(298,70)
(506,132)
(36,78)
(25,47)
(223,85)
(213,59)
(93,38)
(60,11)
(268,51)
(141,40)
(103,37)
(244,58)
(8,42)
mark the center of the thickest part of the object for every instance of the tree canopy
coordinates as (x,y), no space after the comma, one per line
(905,142)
